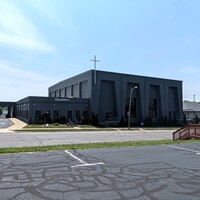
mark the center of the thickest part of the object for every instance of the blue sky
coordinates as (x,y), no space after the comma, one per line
(43,42)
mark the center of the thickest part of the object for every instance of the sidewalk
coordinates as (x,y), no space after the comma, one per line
(18,124)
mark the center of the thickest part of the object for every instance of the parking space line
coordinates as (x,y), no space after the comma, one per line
(83,163)
(75,157)
(181,148)
(88,164)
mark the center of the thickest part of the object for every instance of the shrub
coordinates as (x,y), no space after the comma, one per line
(94,120)
(122,122)
(184,119)
(148,121)
(196,119)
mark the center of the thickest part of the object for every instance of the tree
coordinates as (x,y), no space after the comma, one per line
(184,119)
(196,119)
(122,122)
(1,110)
(94,120)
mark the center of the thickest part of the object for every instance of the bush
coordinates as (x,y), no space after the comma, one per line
(63,120)
(196,119)
(122,122)
(184,119)
(94,120)
(86,121)
(148,121)
(56,120)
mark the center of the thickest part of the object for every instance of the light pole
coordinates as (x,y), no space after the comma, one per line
(129,109)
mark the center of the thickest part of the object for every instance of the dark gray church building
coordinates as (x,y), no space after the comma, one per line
(106,94)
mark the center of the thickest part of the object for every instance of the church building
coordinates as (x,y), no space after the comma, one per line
(111,94)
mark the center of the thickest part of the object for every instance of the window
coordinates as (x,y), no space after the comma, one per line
(133,108)
(77,115)
(46,117)
(108,115)
(85,113)
(153,108)
(37,114)
(38,117)
(56,114)
(69,115)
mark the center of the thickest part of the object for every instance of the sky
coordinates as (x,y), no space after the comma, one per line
(44,42)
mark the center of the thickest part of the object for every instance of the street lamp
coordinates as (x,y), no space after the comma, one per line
(129,109)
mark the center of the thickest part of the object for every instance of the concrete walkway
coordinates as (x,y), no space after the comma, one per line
(18,124)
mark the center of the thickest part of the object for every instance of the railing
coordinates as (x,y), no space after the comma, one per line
(187,132)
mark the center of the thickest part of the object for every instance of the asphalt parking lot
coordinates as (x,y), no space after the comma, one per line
(164,172)
(4,122)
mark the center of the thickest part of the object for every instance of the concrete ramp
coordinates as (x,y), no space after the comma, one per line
(18,124)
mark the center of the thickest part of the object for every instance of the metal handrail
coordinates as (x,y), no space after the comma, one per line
(188,130)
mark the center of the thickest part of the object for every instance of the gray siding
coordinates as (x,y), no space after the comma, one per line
(154,97)
(78,86)
(149,90)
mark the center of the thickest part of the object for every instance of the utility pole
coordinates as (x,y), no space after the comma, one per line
(95,75)
(129,110)
(194,97)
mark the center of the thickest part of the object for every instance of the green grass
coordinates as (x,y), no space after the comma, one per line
(66,128)
(63,129)
(56,126)
(91,146)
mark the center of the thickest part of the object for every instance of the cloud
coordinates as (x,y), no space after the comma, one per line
(17,83)
(13,70)
(17,31)
(18,89)
(51,13)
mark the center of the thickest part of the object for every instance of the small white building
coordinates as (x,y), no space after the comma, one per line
(191,109)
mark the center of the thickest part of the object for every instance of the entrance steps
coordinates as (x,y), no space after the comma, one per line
(189,131)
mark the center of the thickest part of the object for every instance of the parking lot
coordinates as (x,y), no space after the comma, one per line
(4,122)
(153,172)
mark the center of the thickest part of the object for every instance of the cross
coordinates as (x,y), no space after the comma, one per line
(95,61)
(95,73)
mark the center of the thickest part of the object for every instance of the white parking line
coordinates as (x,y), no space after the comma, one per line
(83,163)
(88,164)
(75,157)
(185,149)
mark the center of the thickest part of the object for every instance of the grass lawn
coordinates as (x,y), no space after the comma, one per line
(91,146)
(64,127)
(56,126)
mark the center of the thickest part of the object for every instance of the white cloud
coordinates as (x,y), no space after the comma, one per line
(17,83)
(12,70)
(17,31)
(51,13)
(18,89)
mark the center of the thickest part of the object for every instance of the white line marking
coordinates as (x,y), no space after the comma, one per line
(88,164)
(197,152)
(75,157)
(84,164)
